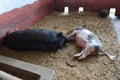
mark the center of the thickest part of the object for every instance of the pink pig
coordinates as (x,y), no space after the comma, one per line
(89,42)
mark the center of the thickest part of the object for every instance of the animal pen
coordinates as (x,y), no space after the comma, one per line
(61,16)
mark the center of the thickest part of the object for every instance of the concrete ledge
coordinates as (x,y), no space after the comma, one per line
(10,71)
(46,74)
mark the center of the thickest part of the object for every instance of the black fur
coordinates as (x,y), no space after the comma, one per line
(35,39)
(104,13)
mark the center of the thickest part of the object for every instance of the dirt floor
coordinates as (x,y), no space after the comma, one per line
(62,60)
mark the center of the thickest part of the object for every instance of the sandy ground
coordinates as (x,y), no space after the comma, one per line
(62,60)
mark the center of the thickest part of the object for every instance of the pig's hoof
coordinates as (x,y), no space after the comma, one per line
(78,55)
(82,57)
(112,57)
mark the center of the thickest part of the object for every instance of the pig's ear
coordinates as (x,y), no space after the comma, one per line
(59,34)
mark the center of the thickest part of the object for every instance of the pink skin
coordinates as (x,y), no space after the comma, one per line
(82,36)
(88,48)
(81,43)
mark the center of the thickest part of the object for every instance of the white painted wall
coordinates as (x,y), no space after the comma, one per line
(8,5)
(116,23)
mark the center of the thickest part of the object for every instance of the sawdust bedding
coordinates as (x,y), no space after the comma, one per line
(62,60)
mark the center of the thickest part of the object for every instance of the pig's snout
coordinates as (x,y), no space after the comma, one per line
(67,40)
(71,38)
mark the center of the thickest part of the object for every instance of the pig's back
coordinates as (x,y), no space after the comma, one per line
(32,35)
(32,39)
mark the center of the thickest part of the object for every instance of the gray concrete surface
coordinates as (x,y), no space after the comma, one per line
(116,23)
(46,74)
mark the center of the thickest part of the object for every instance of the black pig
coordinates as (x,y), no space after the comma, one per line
(35,39)
(104,13)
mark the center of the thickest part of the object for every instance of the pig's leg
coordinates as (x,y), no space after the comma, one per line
(79,54)
(83,56)
(86,52)
(88,49)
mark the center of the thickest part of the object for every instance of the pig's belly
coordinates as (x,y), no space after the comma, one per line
(81,43)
